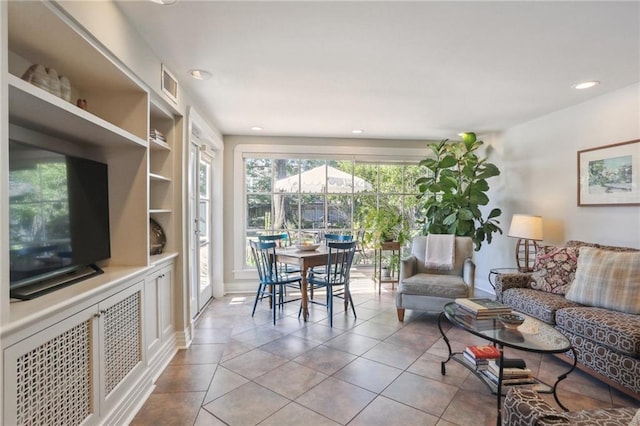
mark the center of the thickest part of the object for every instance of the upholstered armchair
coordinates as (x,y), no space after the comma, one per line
(426,289)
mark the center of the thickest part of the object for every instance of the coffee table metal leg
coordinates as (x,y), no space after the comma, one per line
(564,376)
(499,387)
(443,368)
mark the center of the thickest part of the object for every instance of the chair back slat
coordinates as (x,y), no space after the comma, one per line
(337,238)
(272,283)
(264,255)
(281,239)
(340,258)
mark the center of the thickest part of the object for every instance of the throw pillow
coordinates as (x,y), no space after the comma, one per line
(607,279)
(577,243)
(554,268)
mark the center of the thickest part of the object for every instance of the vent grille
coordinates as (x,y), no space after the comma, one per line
(122,340)
(54,380)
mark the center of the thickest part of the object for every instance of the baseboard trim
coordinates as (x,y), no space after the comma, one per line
(183,338)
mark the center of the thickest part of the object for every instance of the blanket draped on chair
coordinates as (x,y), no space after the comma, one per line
(440,252)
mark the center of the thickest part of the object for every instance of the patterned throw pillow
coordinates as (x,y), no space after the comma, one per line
(607,279)
(555,268)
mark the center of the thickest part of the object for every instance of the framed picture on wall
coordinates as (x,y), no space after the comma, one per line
(610,175)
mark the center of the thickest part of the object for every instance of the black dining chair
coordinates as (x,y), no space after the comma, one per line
(272,283)
(334,276)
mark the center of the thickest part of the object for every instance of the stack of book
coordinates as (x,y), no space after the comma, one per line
(482,307)
(479,356)
(157,136)
(510,375)
(471,320)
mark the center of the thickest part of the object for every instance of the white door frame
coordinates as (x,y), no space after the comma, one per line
(203,135)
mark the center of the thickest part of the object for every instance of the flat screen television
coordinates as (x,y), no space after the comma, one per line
(58,219)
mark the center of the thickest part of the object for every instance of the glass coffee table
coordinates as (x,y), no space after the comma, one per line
(532,336)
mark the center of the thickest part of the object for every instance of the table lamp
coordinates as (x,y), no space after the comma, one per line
(528,230)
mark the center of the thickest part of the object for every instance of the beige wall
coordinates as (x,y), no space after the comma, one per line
(538,160)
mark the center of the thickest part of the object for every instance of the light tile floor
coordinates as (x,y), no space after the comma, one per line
(372,370)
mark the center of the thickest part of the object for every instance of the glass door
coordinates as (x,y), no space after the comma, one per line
(200,233)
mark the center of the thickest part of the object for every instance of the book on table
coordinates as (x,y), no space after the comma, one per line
(508,382)
(472,320)
(482,352)
(510,376)
(478,364)
(512,362)
(483,307)
(510,373)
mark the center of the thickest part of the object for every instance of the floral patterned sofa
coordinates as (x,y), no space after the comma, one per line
(524,407)
(591,294)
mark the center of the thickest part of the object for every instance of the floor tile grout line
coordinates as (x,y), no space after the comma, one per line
(377,394)
(380,308)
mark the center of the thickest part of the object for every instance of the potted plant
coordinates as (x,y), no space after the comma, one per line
(384,224)
(454,189)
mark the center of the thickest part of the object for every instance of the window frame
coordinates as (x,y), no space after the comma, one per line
(344,152)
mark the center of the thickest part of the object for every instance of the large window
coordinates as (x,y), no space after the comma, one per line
(305,197)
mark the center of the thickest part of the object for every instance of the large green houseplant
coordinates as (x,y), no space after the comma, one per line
(454,188)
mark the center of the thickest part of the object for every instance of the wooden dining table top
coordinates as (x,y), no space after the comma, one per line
(310,258)
(305,259)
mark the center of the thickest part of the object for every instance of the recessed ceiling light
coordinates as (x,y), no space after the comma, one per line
(257,128)
(163,2)
(200,74)
(586,85)
(357,131)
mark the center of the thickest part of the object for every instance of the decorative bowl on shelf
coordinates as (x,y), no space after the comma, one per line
(511,320)
(157,238)
(305,246)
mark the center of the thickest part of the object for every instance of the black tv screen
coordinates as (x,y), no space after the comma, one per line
(58,214)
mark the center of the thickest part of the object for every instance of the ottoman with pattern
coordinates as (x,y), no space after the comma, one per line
(524,407)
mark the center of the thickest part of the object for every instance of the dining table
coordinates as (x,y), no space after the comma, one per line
(305,260)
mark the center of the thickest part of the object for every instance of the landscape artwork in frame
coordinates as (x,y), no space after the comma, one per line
(610,175)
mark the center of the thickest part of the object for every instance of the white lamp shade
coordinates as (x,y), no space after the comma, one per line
(526,226)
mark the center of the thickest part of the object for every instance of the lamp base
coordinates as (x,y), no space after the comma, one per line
(526,251)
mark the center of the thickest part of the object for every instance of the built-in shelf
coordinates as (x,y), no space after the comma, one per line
(140,290)
(158,178)
(156,144)
(162,135)
(26,312)
(32,107)
(159,258)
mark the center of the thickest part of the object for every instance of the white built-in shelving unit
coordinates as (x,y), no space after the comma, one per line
(81,324)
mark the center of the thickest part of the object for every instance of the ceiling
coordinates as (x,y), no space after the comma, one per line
(397,70)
